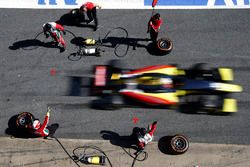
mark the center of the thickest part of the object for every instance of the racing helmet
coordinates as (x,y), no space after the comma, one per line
(36,124)
(47,26)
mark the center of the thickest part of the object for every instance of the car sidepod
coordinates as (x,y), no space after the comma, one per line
(169,98)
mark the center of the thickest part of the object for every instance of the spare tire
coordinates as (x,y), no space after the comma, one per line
(24,119)
(164,45)
(178,144)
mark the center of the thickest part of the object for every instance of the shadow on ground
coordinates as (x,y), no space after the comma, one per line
(152,50)
(31,44)
(121,141)
(114,42)
(77,20)
(163,144)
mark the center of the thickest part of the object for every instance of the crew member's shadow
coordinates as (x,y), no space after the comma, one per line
(17,132)
(77,20)
(31,44)
(122,141)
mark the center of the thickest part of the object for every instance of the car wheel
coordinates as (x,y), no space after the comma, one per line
(179,144)
(211,101)
(165,45)
(204,71)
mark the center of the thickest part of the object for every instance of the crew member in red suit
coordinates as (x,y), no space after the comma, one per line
(53,29)
(154,25)
(41,130)
(147,137)
(90,9)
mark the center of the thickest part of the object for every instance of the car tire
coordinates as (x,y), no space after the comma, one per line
(164,45)
(23,119)
(205,71)
(179,144)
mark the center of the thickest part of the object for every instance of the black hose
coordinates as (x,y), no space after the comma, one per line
(126,36)
(74,56)
(71,33)
(82,147)
(36,46)
(75,156)
(34,40)
(136,156)
(105,37)
(66,151)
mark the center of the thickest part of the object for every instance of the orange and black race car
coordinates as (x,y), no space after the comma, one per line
(199,87)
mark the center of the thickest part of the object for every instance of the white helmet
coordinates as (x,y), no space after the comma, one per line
(36,124)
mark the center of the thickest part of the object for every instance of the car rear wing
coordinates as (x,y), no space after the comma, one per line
(100,75)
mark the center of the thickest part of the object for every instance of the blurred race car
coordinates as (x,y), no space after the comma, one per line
(199,88)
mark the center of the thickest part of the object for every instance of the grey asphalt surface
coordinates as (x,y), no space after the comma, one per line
(218,37)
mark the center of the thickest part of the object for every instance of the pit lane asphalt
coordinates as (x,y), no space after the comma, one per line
(218,37)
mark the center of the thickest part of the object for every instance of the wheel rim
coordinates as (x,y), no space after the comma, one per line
(180,144)
(22,121)
(164,44)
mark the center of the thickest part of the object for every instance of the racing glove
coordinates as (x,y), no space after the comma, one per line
(48,114)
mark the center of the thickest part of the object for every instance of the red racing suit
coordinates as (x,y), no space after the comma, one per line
(155,24)
(154,27)
(54,32)
(90,9)
(148,137)
(41,130)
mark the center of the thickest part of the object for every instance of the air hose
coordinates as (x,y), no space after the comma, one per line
(75,157)
(117,46)
(83,151)
(106,36)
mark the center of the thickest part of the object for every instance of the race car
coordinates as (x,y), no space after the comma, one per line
(200,88)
